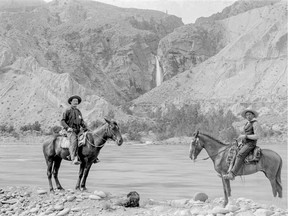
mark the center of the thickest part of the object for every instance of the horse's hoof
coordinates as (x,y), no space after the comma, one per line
(52,190)
(61,189)
(77,188)
(84,189)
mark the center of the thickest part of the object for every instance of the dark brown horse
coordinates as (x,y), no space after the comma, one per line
(88,153)
(270,162)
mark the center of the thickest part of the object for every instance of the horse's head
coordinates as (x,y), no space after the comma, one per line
(195,146)
(113,132)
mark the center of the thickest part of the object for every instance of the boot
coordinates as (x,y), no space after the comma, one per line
(76,161)
(96,160)
(229,176)
(238,164)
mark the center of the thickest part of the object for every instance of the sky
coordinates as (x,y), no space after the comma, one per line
(188,10)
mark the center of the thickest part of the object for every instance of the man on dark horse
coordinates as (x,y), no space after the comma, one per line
(72,120)
(249,139)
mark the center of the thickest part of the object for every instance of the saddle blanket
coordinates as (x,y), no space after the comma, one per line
(65,143)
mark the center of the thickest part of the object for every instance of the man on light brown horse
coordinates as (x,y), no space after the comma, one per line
(72,121)
(251,130)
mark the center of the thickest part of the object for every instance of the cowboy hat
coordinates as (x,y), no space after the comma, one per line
(243,114)
(73,97)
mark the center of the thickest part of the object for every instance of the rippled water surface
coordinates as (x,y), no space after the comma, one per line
(154,171)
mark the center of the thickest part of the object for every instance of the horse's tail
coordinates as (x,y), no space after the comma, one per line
(278,179)
(49,147)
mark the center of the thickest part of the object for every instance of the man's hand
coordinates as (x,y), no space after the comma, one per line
(69,130)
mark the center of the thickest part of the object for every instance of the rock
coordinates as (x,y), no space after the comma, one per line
(100,194)
(263,212)
(71,198)
(34,210)
(179,203)
(10,201)
(76,209)
(133,199)
(64,212)
(94,197)
(185,212)
(245,213)
(219,210)
(200,196)
(40,192)
(59,207)
(196,211)
(232,208)
(49,210)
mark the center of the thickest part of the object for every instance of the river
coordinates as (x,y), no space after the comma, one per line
(155,171)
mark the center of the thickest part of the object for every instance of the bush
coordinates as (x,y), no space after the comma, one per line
(186,120)
(36,126)
(7,129)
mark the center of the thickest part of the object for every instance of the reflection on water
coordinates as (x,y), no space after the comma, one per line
(154,171)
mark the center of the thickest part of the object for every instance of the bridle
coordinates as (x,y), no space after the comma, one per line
(198,143)
(108,130)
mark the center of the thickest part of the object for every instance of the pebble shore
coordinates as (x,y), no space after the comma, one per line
(29,201)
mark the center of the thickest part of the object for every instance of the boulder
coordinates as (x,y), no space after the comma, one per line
(200,196)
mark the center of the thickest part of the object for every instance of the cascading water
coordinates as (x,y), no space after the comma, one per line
(159,75)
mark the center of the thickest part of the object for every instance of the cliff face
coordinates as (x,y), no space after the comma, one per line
(192,44)
(250,71)
(72,47)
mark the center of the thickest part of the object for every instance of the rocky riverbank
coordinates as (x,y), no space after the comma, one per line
(30,201)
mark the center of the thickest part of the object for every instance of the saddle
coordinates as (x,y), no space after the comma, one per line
(253,157)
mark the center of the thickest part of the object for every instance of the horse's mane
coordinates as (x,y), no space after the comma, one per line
(98,128)
(214,139)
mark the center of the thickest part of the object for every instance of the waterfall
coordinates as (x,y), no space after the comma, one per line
(159,75)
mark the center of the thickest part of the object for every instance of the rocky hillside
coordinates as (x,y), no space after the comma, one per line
(192,44)
(72,47)
(250,70)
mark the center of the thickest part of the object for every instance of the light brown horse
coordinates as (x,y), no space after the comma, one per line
(270,162)
(88,153)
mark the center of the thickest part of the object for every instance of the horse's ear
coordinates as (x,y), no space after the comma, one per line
(197,133)
(109,122)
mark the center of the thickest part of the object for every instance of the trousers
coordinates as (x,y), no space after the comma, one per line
(242,154)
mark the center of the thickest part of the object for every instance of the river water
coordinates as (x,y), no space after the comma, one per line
(155,171)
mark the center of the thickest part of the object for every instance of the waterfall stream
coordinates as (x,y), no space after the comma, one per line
(159,74)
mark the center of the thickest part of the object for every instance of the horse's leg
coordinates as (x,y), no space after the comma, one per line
(49,172)
(227,190)
(273,173)
(86,172)
(278,180)
(56,167)
(80,174)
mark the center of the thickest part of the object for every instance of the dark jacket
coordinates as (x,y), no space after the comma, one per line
(249,129)
(72,118)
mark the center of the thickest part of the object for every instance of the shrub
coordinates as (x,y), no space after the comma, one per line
(36,126)
(7,129)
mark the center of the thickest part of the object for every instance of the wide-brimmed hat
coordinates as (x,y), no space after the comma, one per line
(243,114)
(73,97)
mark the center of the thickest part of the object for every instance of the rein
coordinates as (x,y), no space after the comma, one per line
(100,138)
(215,154)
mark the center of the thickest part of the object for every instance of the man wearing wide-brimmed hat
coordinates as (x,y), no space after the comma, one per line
(72,120)
(249,139)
